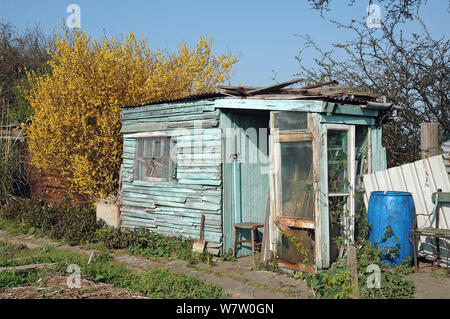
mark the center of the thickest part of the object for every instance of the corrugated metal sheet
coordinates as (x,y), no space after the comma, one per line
(421,178)
(186,98)
(321,91)
(446,155)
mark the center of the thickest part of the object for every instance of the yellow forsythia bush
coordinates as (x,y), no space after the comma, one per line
(75,125)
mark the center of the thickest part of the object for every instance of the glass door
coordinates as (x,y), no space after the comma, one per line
(293,144)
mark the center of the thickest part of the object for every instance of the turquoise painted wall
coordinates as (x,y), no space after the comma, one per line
(246,180)
(205,186)
(174,208)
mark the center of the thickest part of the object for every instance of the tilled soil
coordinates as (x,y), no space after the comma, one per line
(55,287)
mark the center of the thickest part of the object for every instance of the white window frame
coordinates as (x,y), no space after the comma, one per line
(172,162)
(349,223)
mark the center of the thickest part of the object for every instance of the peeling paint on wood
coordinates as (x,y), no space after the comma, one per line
(202,177)
(174,208)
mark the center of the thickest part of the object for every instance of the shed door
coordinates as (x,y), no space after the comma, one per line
(246,169)
(293,146)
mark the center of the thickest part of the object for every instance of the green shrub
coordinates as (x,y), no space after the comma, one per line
(78,225)
(228,256)
(71,224)
(148,243)
(393,285)
(336,281)
(112,238)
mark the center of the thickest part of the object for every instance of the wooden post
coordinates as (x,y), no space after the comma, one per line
(429,139)
(265,248)
(352,264)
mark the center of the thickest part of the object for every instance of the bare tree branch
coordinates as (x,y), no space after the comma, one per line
(411,70)
(397,10)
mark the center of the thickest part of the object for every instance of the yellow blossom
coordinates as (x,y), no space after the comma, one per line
(75,124)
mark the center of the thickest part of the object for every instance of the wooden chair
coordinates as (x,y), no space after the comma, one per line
(438,198)
(253,228)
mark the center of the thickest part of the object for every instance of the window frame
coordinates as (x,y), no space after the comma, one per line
(172,161)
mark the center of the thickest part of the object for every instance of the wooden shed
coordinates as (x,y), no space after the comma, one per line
(291,159)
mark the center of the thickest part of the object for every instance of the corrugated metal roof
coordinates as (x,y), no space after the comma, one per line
(327,91)
(181,99)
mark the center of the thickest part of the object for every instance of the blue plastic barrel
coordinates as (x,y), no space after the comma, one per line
(390,215)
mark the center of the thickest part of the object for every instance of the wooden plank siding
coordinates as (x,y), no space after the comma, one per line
(174,208)
(204,175)
(246,179)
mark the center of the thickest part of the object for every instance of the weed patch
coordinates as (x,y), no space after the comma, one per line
(78,225)
(336,281)
(71,224)
(156,283)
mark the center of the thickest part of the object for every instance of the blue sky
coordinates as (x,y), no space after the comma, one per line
(262,33)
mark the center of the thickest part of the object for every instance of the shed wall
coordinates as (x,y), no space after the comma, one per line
(174,208)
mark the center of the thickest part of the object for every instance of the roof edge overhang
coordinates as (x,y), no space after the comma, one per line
(326,98)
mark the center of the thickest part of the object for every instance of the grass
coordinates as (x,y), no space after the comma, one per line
(17,255)
(12,227)
(335,282)
(442,273)
(155,283)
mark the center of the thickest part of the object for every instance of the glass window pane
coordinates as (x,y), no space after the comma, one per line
(153,158)
(290,121)
(337,161)
(361,141)
(297,247)
(297,179)
(361,157)
(337,208)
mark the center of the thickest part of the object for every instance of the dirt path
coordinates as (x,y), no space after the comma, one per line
(430,283)
(236,278)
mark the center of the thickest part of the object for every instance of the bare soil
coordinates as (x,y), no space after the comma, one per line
(55,287)
(431,282)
